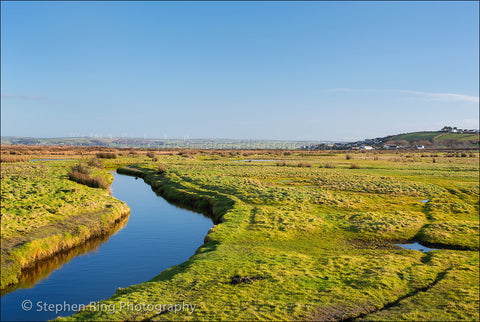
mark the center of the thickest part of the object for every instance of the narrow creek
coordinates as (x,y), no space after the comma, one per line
(156,236)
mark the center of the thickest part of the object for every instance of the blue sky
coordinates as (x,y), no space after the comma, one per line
(252,70)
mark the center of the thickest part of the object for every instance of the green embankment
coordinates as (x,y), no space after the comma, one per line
(44,213)
(307,241)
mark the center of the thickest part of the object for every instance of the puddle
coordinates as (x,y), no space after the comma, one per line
(416,246)
(425,201)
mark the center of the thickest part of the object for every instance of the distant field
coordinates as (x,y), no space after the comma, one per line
(417,136)
(440,139)
(428,138)
(161,143)
(457,136)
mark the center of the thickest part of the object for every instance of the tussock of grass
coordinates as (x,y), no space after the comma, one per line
(161,168)
(96,182)
(304,165)
(81,173)
(106,155)
(328,166)
(81,168)
(96,163)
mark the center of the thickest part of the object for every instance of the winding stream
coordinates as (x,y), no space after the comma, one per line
(156,236)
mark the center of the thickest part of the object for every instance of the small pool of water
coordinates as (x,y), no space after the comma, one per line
(416,246)
(156,236)
(425,201)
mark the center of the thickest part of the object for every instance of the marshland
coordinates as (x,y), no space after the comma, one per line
(239,160)
(301,235)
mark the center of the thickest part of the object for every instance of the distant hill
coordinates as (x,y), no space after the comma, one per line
(438,139)
(432,139)
(160,143)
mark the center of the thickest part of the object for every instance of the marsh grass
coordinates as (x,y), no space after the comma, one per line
(328,165)
(94,182)
(320,237)
(304,164)
(161,168)
(319,250)
(106,155)
(81,168)
(43,212)
(12,159)
(96,163)
(80,173)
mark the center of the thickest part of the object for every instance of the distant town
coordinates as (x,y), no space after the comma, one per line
(461,138)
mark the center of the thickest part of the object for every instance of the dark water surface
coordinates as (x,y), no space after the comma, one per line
(156,236)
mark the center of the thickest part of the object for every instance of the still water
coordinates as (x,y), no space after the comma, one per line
(156,236)
(416,246)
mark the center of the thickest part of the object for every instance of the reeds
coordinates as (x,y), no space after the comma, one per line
(106,155)
(161,168)
(80,173)
(11,158)
(303,164)
(328,166)
(96,163)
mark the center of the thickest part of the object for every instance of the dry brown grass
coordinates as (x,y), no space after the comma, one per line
(97,182)
(161,168)
(13,158)
(106,155)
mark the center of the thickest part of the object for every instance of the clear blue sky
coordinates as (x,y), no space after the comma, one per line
(253,70)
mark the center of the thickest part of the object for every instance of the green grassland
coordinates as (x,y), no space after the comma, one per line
(440,139)
(312,241)
(457,136)
(417,136)
(43,213)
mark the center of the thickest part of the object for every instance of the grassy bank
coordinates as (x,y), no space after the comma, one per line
(316,242)
(44,213)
